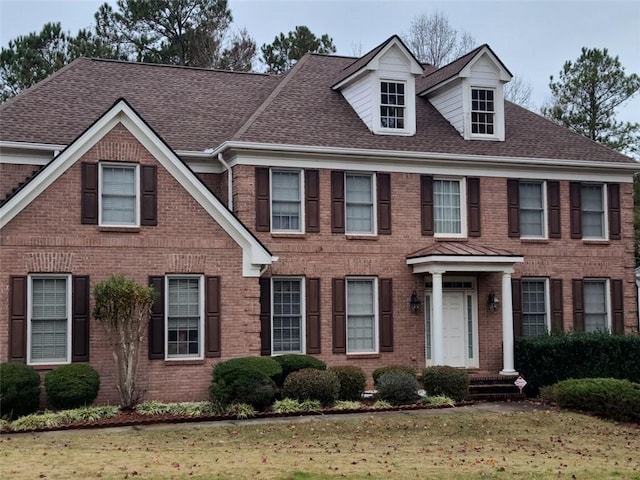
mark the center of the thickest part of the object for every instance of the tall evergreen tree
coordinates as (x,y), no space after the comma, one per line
(586,95)
(280,55)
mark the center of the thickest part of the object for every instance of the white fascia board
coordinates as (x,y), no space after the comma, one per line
(51,147)
(290,156)
(25,159)
(438,86)
(466,259)
(414,67)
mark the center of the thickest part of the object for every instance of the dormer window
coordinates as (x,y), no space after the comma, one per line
(392,105)
(482,111)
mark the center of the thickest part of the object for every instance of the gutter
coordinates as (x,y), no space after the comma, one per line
(210,152)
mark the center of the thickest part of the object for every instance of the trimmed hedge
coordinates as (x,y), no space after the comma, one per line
(378,372)
(546,360)
(398,387)
(19,390)
(353,381)
(607,397)
(446,381)
(249,380)
(72,386)
(312,384)
(294,362)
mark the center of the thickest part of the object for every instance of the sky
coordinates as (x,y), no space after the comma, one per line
(533,38)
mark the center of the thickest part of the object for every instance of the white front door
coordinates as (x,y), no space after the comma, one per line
(453,313)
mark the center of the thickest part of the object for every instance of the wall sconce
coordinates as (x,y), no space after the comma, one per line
(493,302)
(414,303)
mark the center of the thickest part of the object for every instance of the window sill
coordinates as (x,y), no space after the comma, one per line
(534,240)
(41,367)
(361,237)
(362,356)
(181,363)
(297,236)
(595,241)
(451,239)
(119,229)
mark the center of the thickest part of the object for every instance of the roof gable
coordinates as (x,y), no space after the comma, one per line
(254,254)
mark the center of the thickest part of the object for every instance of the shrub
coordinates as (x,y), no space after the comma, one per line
(19,390)
(72,386)
(438,401)
(606,397)
(446,381)
(312,384)
(352,382)
(267,365)
(243,385)
(294,362)
(398,388)
(240,410)
(378,372)
(347,405)
(548,359)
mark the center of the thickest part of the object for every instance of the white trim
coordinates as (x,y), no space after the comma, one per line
(409,83)
(376,319)
(607,300)
(301,200)
(201,327)
(303,315)
(545,211)
(136,174)
(374,199)
(50,147)
(605,211)
(547,298)
(254,254)
(463,209)
(69,295)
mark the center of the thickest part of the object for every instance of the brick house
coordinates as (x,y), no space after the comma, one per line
(368,211)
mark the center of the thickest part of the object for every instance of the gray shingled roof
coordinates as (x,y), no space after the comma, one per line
(195,109)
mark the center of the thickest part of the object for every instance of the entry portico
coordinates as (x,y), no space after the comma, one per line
(461,258)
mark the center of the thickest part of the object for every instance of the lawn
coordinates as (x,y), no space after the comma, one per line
(399,445)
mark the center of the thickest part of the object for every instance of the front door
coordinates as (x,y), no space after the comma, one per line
(453,313)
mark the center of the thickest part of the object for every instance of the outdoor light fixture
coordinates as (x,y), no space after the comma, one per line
(494,302)
(414,303)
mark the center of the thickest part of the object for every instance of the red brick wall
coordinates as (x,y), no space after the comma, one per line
(47,236)
(12,175)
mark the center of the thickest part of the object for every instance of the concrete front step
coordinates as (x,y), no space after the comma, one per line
(496,396)
(494,387)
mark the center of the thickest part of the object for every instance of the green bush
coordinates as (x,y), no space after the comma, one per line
(352,382)
(378,372)
(607,397)
(267,365)
(72,386)
(398,387)
(546,360)
(294,362)
(243,385)
(446,381)
(312,384)
(19,390)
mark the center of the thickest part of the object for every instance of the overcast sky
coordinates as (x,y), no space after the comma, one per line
(533,38)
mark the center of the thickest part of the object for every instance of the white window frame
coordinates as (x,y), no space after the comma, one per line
(605,212)
(201,299)
(547,299)
(374,200)
(403,107)
(545,211)
(375,89)
(463,208)
(301,200)
(607,300)
(303,319)
(69,297)
(376,319)
(494,114)
(136,168)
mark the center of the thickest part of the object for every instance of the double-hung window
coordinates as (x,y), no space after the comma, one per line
(286,201)
(287,321)
(592,198)
(596,306)
(49,319)
(359,196)
(534,307)
(482,111)
(392,105)
(532,209)
(119,195)
(361,315)
(185,313)
(448,201)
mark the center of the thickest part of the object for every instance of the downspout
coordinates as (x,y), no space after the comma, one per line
(229,181)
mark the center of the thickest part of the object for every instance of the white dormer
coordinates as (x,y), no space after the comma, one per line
(469,93)
(381,88)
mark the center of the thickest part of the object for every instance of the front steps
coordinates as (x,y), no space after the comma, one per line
(493,387)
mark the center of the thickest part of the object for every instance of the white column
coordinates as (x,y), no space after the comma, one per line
(507,326)
(437,320)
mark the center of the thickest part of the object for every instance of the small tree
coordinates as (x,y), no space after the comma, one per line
(285,51)
(123,308)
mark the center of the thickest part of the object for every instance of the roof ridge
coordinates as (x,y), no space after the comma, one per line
(44,81)
(270,98)
(180,67)
(470,54)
